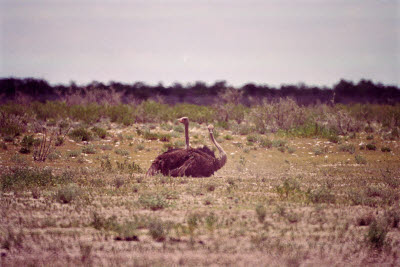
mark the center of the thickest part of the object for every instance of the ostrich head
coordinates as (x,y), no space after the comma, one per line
(184,120)
(210,128)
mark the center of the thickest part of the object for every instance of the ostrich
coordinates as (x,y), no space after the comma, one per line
(195,162)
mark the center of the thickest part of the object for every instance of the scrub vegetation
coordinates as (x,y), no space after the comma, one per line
(303,184)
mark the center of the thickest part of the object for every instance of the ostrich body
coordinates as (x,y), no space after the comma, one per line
(195,162)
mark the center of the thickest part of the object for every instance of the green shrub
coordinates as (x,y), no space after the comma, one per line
(371,147)
(73,153)
(347,148)
(370,137)
(153,201)
(12,125)
(265,143)
(89,149)
(124,114)
(68,193)
(228,137)
(27,143)
(290,186)
(105,164)
(360,159)
(99,222)
(158,230)
(18,159)
(386,149)
(54,156)
(334,139)
(126,231)
(321,195)
(164,137)
(319,151)
(24,178)
(376,235)
(252,138)
(150,136)
(211,221)
(199,114)
(80,134)
(291,150)
(141,147)
(89,113)
(121,152)
(100,132)
(278,143)
(59,141)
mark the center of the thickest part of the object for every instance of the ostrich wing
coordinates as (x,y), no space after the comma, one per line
(168,161)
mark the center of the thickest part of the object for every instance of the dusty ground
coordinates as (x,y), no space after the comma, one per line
(312,204)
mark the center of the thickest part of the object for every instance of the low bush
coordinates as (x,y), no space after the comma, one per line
(360,159)
(158,230)
(376,235)
(89,149)
(334,139)
(126,231)
(59,141)
(27,143)
(228,137)
(370,147)
(290,186)
(265,143)
(68,193)
(100,132)
(99,222)
(80,134)
(164,137)
(370,137)
(261,212)
(150,136)
(121,152)
(347,148)
(153,201)
(322,195)
(24,178)
(73,153)
(252,138)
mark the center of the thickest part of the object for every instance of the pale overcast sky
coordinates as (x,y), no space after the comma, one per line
(274,42)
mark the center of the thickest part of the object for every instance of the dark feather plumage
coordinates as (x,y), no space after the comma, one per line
(195,162)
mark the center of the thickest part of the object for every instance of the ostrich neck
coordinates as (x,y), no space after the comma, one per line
(222,158)
(187,135)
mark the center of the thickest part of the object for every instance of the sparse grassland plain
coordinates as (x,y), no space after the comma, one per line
(323,203)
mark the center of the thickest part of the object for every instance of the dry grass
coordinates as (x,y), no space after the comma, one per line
(265,207)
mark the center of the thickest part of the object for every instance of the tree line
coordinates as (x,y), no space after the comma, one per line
(344,92)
